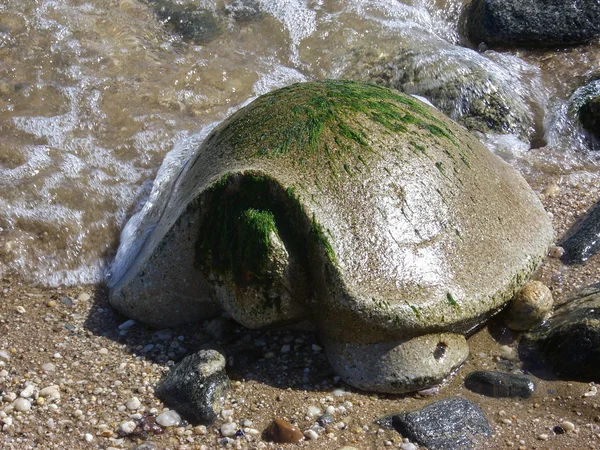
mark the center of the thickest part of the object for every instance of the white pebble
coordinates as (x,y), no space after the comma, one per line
(168,419)
(228,429)
(126,325)
(84,297)
(127,427)
(4,355)
(311,435)
(251,431)
(568,426)
(340,425)
(313,411)
(103,351)
(226,413)
(88,437)
(330,410)
(592,392)
(200,430)
(48,367)
(57,355)
(338,392)
(506,352)
(247,423)
(21,310)
(133,404)
(28,391)
(22,405)
(408,446)
(543,437)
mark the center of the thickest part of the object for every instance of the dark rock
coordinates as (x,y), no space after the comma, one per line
(325,419)
(569,342)
(244,10)
(66,301)
(536,23)
(500,384)
(583,238)
(199,25)
(584,105)
(559,430)
(242,360)
(282,432)
(589,115)
(221,328)
(449,423)
(386,422)
(146,426)
(196,387)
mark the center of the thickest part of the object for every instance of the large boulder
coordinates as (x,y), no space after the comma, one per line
(569,342)
(537,23)
(353,205)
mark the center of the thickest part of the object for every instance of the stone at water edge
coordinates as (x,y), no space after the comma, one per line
(537,23)
(582,240)
(530,306)
(500,384)
(568,343)
(196,387)
(446,424)
(584,105)
(355,205)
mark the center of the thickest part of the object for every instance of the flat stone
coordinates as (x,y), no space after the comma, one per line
(282,432)
(196,387)
(568,343)
(500,384)
(449,423)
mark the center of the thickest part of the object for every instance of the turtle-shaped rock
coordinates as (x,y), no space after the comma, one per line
(357,207)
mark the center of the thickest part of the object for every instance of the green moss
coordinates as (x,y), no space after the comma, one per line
(416,311)
(451,300)
(239,215)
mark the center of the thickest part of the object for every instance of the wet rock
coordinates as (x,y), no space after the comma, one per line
(532,304)
(537,23)
(196,386)
(244,10)
(149,425)
(449,423)
(221,328)
(568,343)
(583,238)
(267,222)
(282,432)
(475,90)
(500,384)
(199,25)
(584,105)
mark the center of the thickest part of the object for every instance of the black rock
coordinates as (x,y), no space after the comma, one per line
(500,384)
(196,387)
(583,239)
(530,23)
(569,342)
(447,424)
(199,25)
(589,115)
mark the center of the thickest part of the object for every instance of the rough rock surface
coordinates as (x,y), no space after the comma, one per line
(449,423)
(539,23)
(569,342)
(355,205)
(500,384)
(582,240)
(529,306)
(585,105)
(196,387)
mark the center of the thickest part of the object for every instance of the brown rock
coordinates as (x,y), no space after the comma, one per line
(529,307)
(282,432)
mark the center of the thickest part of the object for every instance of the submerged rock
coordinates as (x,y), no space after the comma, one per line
(470,88)
(196,387)
(582,240)
(354,205)
(529,307)
(538,23)
(569,342)
(449,423)
(193,23)
(500,384)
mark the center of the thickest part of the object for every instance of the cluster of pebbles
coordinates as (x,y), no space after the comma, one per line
(74,374)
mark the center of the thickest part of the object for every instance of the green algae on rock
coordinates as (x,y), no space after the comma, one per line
(358,207)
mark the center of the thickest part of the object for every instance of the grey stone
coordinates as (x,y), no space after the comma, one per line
(355,205)
(199,25)
(539,23)
(446,424)
(500,384)
(196,387)
(568,343)
(145,446)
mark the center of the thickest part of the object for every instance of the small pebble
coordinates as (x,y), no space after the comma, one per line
(28,391)
(169,419)
(84,297)
(285,348)
(556,252)
(313,411)
(51,303)
(133,404)
(591,393)
(20,310)
(4,355)
(229,429)
(283,432)
(568,426)
(543,437)
(48,367)
(88,437)
(126,325)
(200,430)
(127,427)
(311,435)
(251,431)
(408,446)
(103,351)
(551,191)
(21,405)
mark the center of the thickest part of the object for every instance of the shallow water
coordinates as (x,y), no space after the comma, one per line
(95,94)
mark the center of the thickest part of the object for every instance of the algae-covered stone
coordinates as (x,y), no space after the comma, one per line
(356,206)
